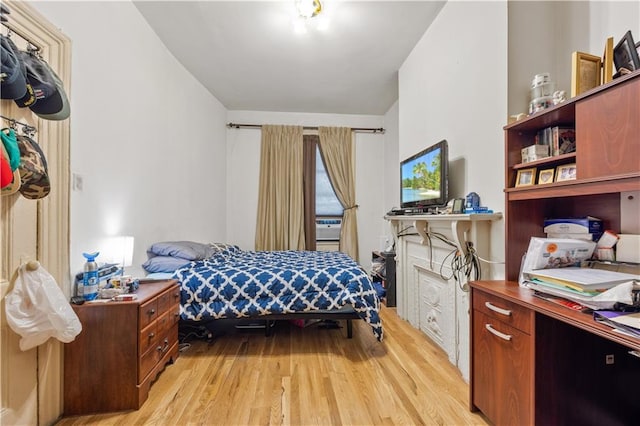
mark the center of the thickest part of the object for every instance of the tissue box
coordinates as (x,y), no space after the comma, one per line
(587,225)
(534,152)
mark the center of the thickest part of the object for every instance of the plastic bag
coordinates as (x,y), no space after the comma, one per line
(37,309)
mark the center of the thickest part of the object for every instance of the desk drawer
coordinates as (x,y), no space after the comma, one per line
(504,311)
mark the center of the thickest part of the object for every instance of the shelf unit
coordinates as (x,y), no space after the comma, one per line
(534,362)
(607,125)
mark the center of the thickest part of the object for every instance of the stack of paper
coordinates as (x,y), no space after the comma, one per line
(593,288)
(585,281)
(625,321)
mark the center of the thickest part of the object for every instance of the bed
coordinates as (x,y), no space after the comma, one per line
(221,281)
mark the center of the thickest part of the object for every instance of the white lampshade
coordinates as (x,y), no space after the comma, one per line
(118,250)
(127,251)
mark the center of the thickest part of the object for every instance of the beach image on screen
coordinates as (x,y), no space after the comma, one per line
(421,177)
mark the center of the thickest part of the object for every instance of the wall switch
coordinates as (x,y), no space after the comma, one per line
(609,359)
(77,182)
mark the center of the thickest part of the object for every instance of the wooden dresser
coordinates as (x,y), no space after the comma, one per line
(122,347)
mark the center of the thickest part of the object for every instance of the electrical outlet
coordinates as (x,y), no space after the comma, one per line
(609,359)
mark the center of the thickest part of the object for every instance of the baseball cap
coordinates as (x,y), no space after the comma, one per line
(14,84)
(33,169)
(9,185)
(8,136)
(48,110)
(48,98)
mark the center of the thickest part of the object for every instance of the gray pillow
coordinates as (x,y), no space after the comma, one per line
(189,250)
(164,264)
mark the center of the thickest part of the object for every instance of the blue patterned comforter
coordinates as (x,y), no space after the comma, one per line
(238,284)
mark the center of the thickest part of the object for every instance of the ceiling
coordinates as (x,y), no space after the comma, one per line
(249,57)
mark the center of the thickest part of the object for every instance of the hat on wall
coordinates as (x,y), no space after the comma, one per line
(14,84)
(48,110)
(10,143)
(47,98)
(33,169)
(9,180)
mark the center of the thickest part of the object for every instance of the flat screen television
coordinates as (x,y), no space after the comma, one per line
(424,178)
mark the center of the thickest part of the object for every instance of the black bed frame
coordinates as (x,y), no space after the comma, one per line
(347,314)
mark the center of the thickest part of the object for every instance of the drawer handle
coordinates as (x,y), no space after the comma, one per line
(166,346)
(494,308)
(152,311)
(152,335)
(497,333)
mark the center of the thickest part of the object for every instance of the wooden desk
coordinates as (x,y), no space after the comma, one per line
(534,362)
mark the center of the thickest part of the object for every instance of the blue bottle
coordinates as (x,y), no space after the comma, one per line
(90,277)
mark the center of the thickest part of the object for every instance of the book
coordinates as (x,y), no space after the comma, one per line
(627,321)
(563,140)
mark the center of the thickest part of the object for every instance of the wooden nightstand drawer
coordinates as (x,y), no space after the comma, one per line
(150,359)
(165,322)
(168,300)
(149,337)
(148,313)
(507,312)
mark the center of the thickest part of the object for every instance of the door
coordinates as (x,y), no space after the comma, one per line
(31,381)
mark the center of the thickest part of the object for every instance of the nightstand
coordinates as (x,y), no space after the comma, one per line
(123,346)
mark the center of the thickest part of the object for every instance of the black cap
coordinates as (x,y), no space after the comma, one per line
(14,85)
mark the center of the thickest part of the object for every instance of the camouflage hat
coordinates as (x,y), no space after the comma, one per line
(33,169)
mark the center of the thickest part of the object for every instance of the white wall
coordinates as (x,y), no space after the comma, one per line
(391,167)
(453,86)
(243,162)
(560,28)
(147,139)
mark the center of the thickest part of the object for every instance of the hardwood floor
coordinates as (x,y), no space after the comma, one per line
(305,376)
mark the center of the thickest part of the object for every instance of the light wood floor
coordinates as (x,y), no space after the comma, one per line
(310,376)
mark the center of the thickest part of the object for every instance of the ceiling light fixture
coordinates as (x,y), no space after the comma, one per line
(308,8)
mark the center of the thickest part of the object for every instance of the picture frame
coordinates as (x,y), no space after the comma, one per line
(585,72)
(625,54)
(546,176)
(566,172)
(607,61)
(526,177)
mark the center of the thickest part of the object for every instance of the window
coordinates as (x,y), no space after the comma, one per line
(327,203)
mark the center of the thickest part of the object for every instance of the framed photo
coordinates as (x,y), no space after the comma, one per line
(546,176)
(526,177)
(607,61)
(625,54)
(566,172)
(585,72)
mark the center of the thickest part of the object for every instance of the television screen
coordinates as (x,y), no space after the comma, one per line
(424,177)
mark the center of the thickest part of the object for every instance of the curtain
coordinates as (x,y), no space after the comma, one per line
(336,148)
(310,143)
(280,222)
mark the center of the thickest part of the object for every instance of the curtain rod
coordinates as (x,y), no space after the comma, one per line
(354,129)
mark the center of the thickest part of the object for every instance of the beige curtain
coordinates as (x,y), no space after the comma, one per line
(280,223)
(336,147)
